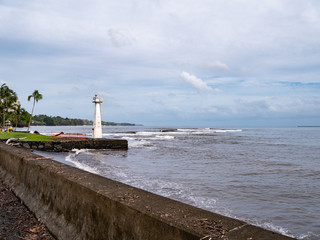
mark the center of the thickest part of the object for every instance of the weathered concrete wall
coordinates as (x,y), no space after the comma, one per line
(67,145)
(75,204)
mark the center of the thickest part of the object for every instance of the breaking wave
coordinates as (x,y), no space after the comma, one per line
(72,158)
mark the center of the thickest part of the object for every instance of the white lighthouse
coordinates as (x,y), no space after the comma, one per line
(97,129)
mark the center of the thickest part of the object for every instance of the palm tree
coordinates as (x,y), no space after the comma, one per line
(17,114)
(7,100)
(36,97)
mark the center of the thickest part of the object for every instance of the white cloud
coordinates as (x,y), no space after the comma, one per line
(217,65)
(120,37)
(195,82)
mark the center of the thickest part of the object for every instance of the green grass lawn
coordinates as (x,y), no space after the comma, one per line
(26,136)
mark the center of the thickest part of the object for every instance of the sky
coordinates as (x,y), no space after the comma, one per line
(166,63)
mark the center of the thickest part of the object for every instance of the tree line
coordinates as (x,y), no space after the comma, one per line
(60,121)
(10,108)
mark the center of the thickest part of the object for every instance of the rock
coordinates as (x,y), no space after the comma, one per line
(58,148)
(168,130)
(26,145)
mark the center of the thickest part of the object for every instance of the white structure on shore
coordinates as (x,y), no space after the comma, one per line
(97,128)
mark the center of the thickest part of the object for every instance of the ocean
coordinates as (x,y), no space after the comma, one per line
(269,177)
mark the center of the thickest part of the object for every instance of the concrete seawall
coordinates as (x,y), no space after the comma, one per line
(75,204)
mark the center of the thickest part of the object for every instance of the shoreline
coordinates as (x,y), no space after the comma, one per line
(16,220)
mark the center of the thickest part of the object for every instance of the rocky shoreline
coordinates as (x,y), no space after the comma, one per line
(16,221)
(65,145)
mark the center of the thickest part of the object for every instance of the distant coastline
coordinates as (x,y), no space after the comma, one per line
(44,120)
(308,126)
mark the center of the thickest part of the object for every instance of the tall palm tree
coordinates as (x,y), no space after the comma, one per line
(36,97)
